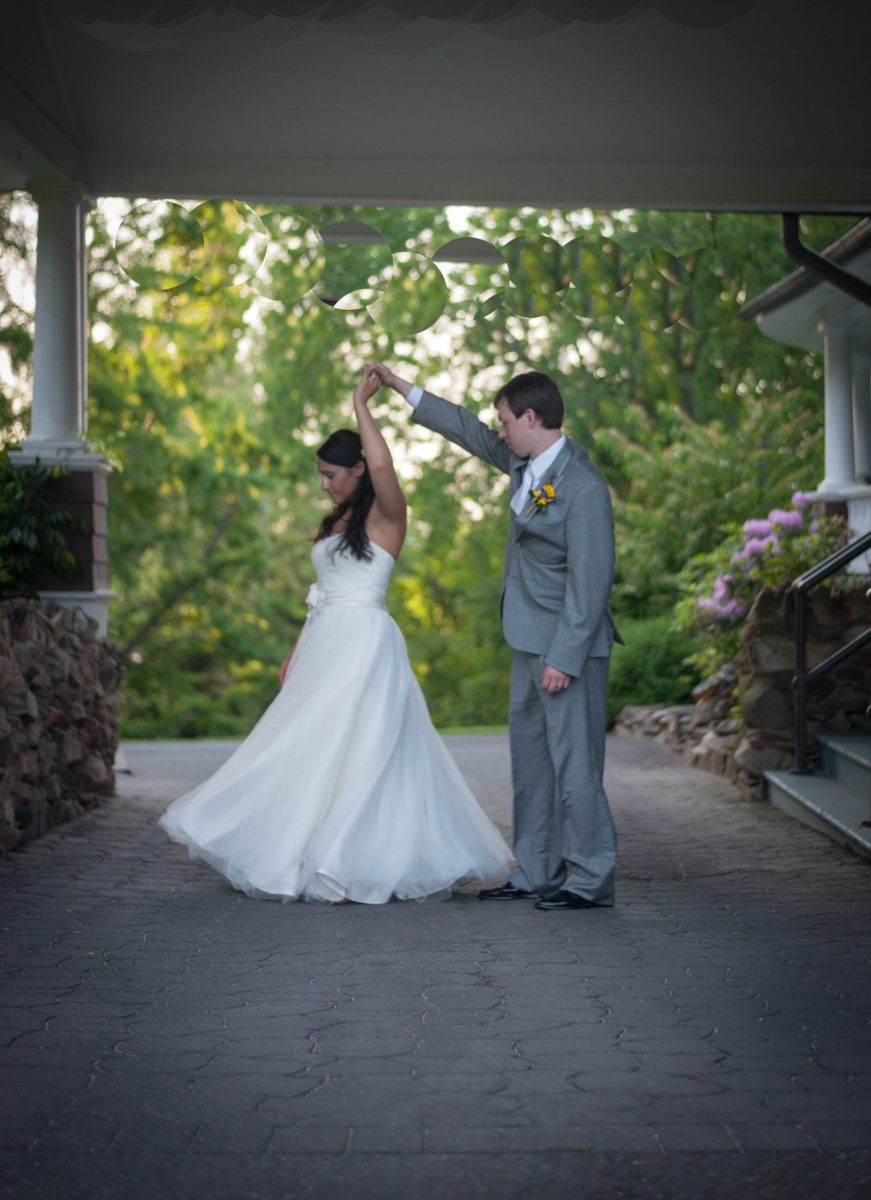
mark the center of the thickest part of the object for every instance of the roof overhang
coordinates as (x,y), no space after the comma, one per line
(721,104)
(796,310)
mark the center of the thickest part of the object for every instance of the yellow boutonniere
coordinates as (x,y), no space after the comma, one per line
(541,497)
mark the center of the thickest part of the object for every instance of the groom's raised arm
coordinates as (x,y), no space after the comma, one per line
(455,423)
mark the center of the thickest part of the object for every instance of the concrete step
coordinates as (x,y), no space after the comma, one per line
(827,805)
(847,758)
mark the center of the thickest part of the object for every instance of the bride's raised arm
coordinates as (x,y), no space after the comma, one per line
(389,496)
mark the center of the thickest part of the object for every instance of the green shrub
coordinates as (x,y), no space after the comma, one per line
(162,700)
(652,667)
(719,586)
(32,545)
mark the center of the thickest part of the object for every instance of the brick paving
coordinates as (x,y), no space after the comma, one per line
(163,1035)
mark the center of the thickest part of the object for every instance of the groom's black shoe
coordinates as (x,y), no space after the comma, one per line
(565,900)
(507,892)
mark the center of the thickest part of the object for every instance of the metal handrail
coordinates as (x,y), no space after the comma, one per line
(835,562)
(802,586)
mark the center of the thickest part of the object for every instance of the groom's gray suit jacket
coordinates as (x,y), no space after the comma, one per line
(559,560)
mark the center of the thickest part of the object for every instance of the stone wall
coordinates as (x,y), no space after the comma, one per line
(58,711)
(837,701)
(742,724)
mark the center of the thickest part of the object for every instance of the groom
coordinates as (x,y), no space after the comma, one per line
(559,568)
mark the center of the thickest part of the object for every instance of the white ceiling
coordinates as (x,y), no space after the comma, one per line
(712,104)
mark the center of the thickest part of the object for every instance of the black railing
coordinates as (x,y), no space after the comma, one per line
(804,677)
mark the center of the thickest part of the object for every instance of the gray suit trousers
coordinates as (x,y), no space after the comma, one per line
(564,835)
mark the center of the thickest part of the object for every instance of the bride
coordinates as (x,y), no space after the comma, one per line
(343,790)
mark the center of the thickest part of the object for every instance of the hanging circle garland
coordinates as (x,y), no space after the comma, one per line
(159,245)
(162,246)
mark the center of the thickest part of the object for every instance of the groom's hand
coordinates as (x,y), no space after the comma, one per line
(389,379)
(554,681)
(368,385)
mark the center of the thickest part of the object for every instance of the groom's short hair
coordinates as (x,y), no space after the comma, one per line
(536,391)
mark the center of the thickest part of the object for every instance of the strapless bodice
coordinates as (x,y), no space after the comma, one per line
(345,580)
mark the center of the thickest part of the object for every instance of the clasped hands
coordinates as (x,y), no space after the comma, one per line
(369,383)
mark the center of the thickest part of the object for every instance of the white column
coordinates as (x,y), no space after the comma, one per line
(839,413)
(58,415)
(862,420)
(84,208)
(58,418)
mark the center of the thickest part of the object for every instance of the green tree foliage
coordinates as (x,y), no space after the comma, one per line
(224,351)
(211,401)
(205,561)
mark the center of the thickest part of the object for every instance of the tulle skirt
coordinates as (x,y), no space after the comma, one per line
(343,790)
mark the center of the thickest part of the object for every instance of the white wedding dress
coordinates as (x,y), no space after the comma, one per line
(343,790)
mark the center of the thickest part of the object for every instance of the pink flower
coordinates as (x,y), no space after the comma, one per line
(800,499)
(731,608)
(786,519)
(757,527)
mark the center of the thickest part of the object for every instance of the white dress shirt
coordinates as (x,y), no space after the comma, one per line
(536,469)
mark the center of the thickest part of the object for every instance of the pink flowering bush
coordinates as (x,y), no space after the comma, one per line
(718,587)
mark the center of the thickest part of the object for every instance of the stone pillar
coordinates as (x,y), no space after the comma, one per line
(840,469)
(862,420)
(58,410)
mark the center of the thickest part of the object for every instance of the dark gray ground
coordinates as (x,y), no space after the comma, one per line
(167,1037)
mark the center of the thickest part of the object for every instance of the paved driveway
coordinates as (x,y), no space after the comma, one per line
(707,1037)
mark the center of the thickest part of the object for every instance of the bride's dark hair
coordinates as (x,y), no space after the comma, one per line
(345,449)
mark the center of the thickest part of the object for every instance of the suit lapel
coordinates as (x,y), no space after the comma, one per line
(517,469)
(555,474)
